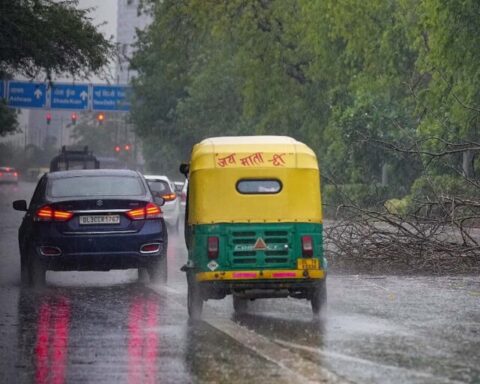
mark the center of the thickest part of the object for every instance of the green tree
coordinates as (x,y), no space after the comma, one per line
(449,54)
(369,85)
(47,37)
(101,139)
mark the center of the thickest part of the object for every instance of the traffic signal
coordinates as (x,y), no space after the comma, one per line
(48,118)
(117,148)
(127,147)
(100,118)
(74,118)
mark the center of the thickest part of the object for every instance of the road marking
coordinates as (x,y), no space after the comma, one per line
(353,359)
(291,362)
(296,367)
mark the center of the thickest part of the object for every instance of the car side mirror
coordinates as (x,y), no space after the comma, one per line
(184,169)
(159,200)
(20,205)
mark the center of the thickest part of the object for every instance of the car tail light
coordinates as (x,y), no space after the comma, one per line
(169,197)
(47,213)
(62,215)
(15,174)
(150,211)
(136,214)
(212,247)
(307,246)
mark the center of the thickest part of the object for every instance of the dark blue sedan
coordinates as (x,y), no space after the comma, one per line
(92,220)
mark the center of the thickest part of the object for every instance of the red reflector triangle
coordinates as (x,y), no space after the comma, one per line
(260,244)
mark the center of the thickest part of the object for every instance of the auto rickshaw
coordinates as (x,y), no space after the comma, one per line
(253,224)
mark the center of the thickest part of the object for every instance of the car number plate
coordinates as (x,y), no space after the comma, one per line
(99,219)
(308,264)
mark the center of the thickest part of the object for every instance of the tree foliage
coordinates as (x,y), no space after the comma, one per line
(371,86)
(47,37)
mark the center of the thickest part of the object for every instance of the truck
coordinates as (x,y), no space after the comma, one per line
(69,159)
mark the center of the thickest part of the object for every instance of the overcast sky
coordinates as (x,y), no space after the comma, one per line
(105,11)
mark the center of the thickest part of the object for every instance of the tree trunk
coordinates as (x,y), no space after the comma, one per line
(384,174)
(467,165)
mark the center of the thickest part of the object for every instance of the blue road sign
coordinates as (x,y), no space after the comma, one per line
(110,98)
(23,94)
(69,96)
(2,89)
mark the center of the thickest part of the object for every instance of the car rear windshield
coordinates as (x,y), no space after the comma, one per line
(159,187)
(95,186)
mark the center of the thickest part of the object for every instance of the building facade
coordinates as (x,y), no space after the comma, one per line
(57,133)
(129,19)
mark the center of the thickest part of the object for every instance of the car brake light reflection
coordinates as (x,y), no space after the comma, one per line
(52,341)
(143,341)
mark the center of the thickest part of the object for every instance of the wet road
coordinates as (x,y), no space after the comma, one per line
(109,328)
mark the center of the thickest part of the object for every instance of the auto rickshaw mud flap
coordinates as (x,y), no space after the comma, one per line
(240,304)
(318,298)
(194,297)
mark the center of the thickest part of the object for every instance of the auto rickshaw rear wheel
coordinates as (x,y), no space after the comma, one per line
(318,297)
(240,305)
(194,298)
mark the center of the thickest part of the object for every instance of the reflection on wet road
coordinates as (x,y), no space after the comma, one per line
(115,334)
(109,328)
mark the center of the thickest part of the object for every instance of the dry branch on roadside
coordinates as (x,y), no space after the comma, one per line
(369,241)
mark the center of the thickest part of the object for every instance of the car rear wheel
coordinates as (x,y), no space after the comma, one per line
(24,272)
(319,297)
(194,298)
(36,271)
(158,270)
(240,305)
(143,276)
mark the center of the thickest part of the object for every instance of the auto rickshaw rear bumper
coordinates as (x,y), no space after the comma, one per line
(260,283)
(269,274)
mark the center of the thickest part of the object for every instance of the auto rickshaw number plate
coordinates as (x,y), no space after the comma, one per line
(308,264)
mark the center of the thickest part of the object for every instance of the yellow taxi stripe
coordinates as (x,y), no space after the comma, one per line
(269,274)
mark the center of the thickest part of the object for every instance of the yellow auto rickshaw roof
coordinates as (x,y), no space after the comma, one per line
(252,152)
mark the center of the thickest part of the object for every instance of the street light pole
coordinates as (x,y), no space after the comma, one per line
(25,128)
(61,131)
